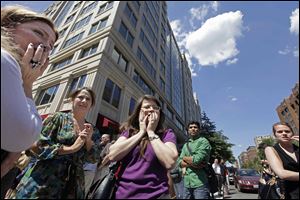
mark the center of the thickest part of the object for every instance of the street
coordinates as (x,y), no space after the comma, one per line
(235,194)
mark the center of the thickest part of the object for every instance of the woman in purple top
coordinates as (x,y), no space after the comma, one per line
(146,150)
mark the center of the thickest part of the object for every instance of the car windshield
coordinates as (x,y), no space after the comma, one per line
(248,173)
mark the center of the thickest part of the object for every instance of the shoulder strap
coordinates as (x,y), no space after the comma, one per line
(188,148)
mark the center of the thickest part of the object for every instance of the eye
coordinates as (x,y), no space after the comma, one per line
(38,32)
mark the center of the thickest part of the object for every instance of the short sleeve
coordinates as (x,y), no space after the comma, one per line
(125,134)
(169,136)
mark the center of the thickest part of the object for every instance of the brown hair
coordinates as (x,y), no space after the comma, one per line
(74,94)
(281,123)
(13,15)
(132,124)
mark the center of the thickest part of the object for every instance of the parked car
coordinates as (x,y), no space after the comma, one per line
(246,179)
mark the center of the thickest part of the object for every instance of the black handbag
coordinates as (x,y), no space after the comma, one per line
(105,188)
(212,178)
(270,186)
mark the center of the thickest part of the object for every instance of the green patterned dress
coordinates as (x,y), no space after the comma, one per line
(53,176)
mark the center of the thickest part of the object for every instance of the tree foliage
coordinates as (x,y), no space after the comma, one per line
(221,148)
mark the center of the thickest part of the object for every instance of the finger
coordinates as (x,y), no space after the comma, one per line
(28,54)
(44,58)
(38,53)
(44,67)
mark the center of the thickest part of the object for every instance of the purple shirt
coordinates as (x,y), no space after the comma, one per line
(143,178)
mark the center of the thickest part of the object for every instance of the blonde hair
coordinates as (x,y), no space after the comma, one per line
(14,15)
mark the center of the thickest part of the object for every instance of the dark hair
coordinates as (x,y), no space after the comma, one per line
(281,123)
(132,124)
(74,94)
(193,122)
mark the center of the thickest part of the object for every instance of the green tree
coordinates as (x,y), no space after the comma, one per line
(221,148)
(261,148)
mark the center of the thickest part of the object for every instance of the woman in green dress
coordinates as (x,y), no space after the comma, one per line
(65,143)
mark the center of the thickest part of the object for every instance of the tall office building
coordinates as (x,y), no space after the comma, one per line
(288,110)
(122,50)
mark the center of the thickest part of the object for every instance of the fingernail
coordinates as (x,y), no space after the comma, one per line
(30,44)
(42,46)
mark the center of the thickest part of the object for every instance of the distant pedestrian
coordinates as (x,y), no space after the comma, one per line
(286,166)
(217,168)
(147,151)
(194,153)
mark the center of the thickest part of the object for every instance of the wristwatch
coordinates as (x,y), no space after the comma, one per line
(153,137)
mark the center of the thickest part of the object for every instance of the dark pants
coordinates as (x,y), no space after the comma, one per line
(8,180)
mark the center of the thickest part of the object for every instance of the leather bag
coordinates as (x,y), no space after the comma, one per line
(105,188)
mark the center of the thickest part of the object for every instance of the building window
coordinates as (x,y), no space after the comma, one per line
(162,84)
(47,95)
(126,34)
(146,64)
(136,4)
(105,7)
(98,26)
(89,51)
(77,82)
(130,15)
(81,23)
(77,5)
(62,63)
(62,32)
(89,8)
(142,83)
(148,45)
(120,59)
(131,105)
(69,19)
(112,93)
(73,40)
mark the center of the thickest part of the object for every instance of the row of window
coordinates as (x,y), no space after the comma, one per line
(111,93)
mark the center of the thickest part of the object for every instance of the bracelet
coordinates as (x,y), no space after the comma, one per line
(153,137)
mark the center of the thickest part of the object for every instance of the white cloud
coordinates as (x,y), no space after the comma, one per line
(215,41)
(232,61)
(234,99)
(289,50)
(201,12)
(294,18)
(180,35)
(285,51)
(240,145)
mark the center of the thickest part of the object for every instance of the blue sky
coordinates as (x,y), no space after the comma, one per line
(244,57)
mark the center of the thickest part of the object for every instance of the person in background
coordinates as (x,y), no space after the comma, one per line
(103,166)
(217,168)
(286,166)
(67,141)
(26,40)
(147,151)
(194,153)
(224,173)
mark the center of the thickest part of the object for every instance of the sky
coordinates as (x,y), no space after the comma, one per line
(244,58)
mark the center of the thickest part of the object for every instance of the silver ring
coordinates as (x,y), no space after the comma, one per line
(35,63)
